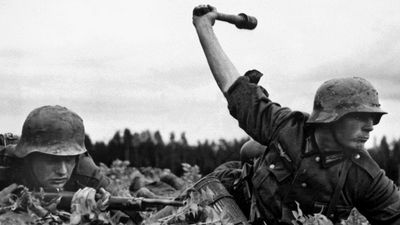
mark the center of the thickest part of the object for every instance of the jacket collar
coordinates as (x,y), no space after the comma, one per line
(326,159)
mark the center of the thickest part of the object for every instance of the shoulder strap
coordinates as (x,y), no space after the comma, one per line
(342,178)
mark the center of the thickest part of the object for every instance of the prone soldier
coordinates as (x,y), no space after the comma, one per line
(51,155)
(317,160)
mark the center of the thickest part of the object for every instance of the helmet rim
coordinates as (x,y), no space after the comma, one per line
(53,130)
(62,149)
(321,116)
(341,96)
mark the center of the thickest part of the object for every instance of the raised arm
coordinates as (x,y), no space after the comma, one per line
(223,70)
(257,115)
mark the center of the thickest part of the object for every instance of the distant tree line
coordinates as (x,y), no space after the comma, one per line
(148,149)
(388,158)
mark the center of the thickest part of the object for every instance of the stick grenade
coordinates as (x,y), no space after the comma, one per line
(241,21)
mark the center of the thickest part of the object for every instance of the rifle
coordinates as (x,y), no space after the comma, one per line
(115,203)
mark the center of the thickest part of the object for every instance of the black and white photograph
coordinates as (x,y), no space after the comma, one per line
(199,112)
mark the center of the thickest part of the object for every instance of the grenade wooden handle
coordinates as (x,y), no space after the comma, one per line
(241,21)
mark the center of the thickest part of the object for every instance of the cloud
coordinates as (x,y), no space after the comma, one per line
(378,63)
(124,64)
(12,53)
(187,76)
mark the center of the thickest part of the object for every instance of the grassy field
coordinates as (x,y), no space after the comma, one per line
(26,209)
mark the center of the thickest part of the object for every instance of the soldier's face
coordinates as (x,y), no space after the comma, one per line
(352,130)
(52,172)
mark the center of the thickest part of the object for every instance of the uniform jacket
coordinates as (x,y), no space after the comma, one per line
(85,173)
(293,169)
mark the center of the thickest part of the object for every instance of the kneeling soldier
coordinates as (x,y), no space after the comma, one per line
(318,161)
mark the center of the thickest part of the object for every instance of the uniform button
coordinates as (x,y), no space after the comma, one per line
(272,166)
(317,159)
(303,185)
(331,215)
(357,156)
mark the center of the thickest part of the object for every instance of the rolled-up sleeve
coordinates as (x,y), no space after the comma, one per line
(257,115)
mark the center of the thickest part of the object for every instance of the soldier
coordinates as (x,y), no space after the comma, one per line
(51,155)
(318,161)
(250,151)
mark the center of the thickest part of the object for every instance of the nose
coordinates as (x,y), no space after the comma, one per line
(368,124)
(61,168)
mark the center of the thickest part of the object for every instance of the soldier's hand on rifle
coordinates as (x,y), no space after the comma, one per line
(84,200)
(204,15)
(6,193)
(104,200)
(84,203)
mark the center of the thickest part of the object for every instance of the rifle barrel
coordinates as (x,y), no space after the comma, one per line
(115,202)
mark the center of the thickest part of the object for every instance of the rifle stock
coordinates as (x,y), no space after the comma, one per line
(116,202)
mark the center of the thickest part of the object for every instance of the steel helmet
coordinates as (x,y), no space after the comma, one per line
(250,150)
(338,97)
(53,130)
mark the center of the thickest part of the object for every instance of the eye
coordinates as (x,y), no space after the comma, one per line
(359,118)
(69,159)
(363,117)
(66,159)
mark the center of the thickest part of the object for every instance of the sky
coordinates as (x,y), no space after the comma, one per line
(139,64)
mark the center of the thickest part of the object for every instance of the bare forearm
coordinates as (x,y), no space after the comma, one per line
(221,67)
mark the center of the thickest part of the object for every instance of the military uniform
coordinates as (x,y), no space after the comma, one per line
(49,130)
(85,174)
(294,169)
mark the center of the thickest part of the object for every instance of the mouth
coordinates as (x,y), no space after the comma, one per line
(58,181)
(362,139)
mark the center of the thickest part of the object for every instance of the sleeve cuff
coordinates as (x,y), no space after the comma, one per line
(239,82)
